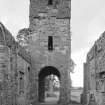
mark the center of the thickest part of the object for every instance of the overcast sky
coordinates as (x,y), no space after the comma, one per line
(87,23)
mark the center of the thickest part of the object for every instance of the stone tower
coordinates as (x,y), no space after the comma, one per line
(50,47)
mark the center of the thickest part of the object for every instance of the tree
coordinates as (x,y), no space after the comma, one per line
(52,81)
(72,65)
(23,36)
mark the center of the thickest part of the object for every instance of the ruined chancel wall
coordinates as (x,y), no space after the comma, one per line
(94,72)
(14,73)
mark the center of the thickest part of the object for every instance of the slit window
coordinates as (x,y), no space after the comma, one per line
(21,82)
(50,43)
(50,2)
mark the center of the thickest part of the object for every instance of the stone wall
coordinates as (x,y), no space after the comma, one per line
(23,81)
(96,71)
(7,71)
(10,66)
(38,6)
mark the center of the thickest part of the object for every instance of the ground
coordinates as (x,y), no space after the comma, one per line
(75,103)
(53,100)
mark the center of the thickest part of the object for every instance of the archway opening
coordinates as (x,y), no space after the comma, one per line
(49,85)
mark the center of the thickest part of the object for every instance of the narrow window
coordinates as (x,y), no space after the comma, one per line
(21,83)
(50,2)
(28,69)
(50,43)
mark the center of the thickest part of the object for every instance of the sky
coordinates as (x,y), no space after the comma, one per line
(87,24)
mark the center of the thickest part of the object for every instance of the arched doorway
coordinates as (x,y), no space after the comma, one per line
(45,94)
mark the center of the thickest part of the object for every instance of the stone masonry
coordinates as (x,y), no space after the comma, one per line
(14,73)
(22,73)
(94,74)
(50,21)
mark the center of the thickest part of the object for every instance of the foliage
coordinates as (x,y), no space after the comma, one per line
(72,66)
(23,36)
(55,82)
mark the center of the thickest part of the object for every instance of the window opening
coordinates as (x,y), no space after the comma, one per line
(50,2)
(21,83)
(50,43)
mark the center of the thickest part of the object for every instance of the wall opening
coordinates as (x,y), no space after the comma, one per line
(50,2)
(21,83)
(50,43)
(49,85)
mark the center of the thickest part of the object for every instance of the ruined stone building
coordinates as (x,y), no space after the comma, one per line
(94,73)
(23,71)
(14,68)
(50,45)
